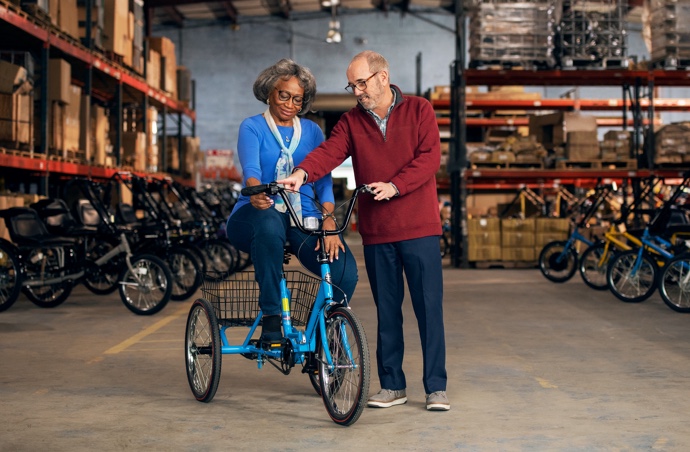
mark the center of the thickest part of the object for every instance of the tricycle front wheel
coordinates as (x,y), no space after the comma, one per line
(202,350)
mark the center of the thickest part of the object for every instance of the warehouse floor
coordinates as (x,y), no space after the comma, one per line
(532,365)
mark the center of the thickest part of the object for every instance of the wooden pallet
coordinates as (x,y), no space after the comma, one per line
(508,165)
(597,164)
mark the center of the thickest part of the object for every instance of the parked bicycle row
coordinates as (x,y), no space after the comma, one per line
(90,236)
(631,260)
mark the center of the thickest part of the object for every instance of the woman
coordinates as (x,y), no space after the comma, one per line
(269,146)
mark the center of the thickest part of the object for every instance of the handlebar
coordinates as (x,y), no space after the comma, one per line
(273,188)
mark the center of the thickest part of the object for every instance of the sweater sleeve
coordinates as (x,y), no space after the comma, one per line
(331,153)
(427,154)
(248,150)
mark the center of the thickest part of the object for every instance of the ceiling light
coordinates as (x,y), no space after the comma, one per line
(334,35)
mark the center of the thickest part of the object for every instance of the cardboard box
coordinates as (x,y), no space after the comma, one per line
(15,118)
(134,150)
(100,129)
(115,26)
(518,225)
(551,129)
(479,239)
(542,238)
(518,254)
(482,225)
(517,239)
(59,80)
(582,146)
(11,77)
(166,48)
(552,225)
(72,121)
(484,253)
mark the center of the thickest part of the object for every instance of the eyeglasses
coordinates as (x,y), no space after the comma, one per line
(360,85)
(284,96)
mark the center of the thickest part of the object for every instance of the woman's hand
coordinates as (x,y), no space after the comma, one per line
(261,201)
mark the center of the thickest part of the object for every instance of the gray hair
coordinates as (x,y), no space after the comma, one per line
(285,69)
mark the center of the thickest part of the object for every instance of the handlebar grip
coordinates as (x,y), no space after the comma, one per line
(254,190)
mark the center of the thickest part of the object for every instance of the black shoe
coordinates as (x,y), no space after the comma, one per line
(271,334)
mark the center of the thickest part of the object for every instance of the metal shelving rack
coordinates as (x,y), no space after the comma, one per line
(637,105)
(100,78)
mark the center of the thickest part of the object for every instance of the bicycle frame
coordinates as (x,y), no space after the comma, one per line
(302,342)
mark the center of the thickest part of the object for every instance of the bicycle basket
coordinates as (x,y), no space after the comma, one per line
(235,298)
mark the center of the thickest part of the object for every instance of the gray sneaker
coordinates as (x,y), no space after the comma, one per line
(437,401)
(387,398)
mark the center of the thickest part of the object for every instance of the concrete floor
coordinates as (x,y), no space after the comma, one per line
(532,365)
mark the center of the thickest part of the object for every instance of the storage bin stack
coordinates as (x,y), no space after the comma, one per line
(669,23)
(592,34)
(512,33)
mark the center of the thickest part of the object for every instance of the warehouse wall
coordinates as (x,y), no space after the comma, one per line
(225,62)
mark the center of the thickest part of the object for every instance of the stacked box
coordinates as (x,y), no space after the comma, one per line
(582,146)
(134,150)
(168,68)
(513,32)
(549,230)
(484,239)
(551,130)
(669,25)
(617,145)
(592,33)
(116,28)
(72,122)
(672,143)
(518,239)
(152,151)
(15,105)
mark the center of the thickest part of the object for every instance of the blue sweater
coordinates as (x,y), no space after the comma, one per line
(259,151)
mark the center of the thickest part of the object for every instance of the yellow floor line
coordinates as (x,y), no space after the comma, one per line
(122,346)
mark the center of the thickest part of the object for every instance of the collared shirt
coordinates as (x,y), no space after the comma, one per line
(383,123)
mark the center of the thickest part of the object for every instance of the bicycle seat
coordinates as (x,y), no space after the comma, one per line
(27,229)
(57,217)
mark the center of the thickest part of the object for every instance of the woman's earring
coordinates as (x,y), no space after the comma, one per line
(268,102)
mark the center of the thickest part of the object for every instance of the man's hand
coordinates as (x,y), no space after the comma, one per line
(382,191)
(294,181)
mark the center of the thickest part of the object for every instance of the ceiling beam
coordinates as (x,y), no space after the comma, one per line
(174,15)
(230,11)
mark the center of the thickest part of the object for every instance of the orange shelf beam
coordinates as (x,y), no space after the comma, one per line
(524,121)
(566,104)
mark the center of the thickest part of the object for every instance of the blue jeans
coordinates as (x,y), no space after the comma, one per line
(263,234)
(420,261)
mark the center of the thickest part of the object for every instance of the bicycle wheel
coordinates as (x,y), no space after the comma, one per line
(345,385)
(202,350)
(48,296)
(47,266)
(674,284)
(9,277)
(148,289)
(629,280)
(186,272)
(593,265)
(219,256)
(444,245)
(103,279)
(557,263)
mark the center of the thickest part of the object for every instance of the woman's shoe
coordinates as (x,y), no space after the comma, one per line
(271,334)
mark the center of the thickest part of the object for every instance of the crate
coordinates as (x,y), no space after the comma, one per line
(235,298)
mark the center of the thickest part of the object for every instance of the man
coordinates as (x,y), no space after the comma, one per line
(395,148)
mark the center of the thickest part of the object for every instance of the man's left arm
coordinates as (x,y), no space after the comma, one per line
(427,153)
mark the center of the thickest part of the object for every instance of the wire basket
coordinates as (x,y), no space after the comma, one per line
(235,298)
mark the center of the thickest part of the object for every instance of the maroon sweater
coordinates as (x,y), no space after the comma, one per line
(409,156)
